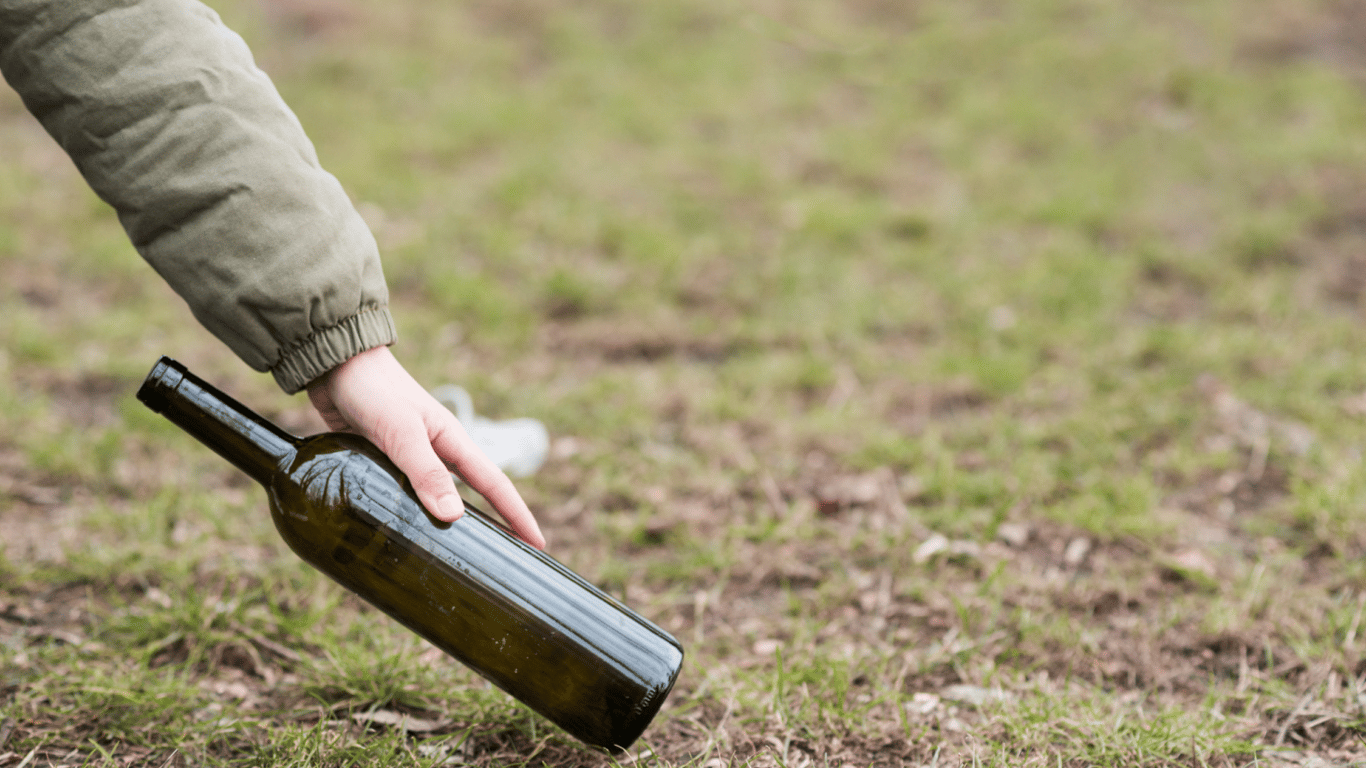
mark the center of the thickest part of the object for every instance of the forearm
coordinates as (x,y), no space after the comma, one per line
(166,115)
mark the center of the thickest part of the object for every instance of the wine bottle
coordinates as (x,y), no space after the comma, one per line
(511,613)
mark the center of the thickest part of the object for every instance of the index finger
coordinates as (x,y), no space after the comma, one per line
(454,446)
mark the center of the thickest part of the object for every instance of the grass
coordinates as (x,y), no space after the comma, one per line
(888,349)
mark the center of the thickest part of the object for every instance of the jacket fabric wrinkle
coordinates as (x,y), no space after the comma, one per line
(166,115)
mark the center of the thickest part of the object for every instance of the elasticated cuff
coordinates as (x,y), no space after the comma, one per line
(330,347)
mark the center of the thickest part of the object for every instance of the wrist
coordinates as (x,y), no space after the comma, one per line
(329,348)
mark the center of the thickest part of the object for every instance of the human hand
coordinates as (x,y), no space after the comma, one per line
(373,396)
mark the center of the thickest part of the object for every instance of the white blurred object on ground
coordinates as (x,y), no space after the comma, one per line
(517,446)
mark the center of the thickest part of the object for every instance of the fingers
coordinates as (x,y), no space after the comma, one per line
(453,444)
(410,448)
(373,395)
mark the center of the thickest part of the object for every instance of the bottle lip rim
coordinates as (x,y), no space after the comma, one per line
(165,376)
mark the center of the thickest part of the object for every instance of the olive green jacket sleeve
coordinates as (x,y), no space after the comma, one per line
(170,121)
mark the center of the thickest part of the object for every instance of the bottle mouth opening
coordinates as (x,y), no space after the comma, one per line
(165,376)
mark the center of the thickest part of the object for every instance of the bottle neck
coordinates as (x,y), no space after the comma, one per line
(231,429)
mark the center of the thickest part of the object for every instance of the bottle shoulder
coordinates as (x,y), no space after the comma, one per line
(334,469)
(332,452)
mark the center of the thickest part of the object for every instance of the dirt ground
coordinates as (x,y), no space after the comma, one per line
(837,609)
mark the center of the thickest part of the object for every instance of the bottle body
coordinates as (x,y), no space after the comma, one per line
(513,614)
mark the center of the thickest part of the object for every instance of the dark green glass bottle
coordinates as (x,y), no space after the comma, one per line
(513,614)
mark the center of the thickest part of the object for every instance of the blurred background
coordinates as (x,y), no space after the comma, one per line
(936,371)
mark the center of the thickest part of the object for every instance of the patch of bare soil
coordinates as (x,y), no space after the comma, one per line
(527,24)
(313,18)
(932,618)
(41,513)
(1280,33)
(923,611)
(1169,292)
(925,607)
(617,342)
(1335,249)
(912,408)
(1329,32)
